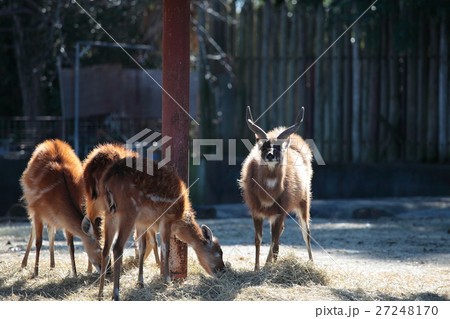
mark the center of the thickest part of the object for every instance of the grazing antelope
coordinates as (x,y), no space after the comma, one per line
(275,180)
(159,202)
(53,188)
(94,166)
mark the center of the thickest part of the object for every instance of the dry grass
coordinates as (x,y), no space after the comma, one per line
(405,270)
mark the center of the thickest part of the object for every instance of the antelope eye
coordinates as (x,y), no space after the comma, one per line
(266,145)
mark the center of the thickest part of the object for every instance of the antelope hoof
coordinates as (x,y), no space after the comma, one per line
(140,284)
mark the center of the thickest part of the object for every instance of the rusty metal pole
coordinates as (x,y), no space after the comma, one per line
(175,122)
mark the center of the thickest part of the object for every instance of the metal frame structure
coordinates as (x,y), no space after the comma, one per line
(81,48)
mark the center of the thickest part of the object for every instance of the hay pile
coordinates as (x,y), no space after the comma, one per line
(404,272)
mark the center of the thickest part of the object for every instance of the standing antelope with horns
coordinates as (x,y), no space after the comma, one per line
(159,202)
(94,166)
(275,180)
(53,188)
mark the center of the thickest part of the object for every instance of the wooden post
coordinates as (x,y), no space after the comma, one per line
(175,121)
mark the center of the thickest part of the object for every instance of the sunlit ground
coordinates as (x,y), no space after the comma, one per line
(384,260)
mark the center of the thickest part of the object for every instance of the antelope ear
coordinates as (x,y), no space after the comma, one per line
(207,233)
(286,143)
(86,226)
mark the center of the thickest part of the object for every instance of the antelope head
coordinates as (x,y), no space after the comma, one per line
(273,148)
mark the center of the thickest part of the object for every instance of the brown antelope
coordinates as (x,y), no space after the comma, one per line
(53,188)
(159,202)
(94,166)
(275,180)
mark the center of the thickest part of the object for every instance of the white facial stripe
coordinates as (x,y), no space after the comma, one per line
(133,201)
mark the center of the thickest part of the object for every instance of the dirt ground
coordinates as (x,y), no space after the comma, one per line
(384,259)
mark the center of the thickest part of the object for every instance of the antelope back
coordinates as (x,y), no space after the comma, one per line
(161,193)
(53,188)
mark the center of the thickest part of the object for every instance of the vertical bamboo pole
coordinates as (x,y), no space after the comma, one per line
(384,92)
(206,108)
(303,99)
(309,16)
(291,69)
(394,107)
(346,101)
(432,123)
(356,100)
(265,50)
(411,90)
(374,93)
(336,113)
(175,122)
(282,65)
(241,62)
(365,119)
(258,60)
(249,12)
(318,94)
(422,89)
(274,61)
(443,97)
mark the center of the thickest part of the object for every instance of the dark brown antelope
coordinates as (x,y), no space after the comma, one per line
(94,166)
(159,202)
(276,180)
(53,188)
